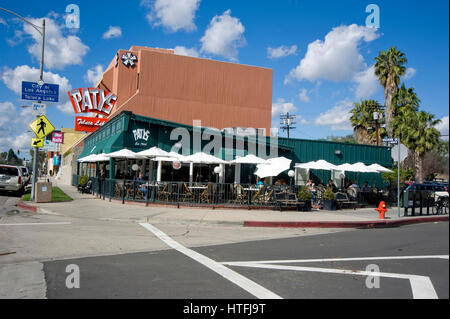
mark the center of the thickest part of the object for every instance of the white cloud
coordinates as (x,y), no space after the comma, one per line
(368,83)
(409,73)
(337,117)
(224,36)
(443,126)
(282,107)
(13,80)
(335,59)
(112,32)
(303,95)
(173,15)
(3,22)
(180,50)
(280,52)
(94,74)
(13,128)
(60,51)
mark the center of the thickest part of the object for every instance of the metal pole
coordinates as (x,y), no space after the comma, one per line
(398,178)
(35,170)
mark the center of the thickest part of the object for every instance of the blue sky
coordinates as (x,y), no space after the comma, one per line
(321,52)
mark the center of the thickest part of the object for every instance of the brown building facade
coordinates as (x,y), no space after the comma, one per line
(181,89)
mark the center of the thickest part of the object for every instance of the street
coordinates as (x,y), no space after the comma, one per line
(125,258)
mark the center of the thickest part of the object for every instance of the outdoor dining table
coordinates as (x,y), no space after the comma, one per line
(251,190)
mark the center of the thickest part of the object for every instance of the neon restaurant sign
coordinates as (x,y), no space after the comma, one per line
(91,100)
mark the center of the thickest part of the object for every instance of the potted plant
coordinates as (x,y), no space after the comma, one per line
(305,196)
(329,200)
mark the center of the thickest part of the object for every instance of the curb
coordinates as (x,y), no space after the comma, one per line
(22,205)
(349,224)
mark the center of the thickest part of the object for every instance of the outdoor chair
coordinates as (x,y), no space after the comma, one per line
(205,196)
(87,189)
(241,194)
(345,201)
(163,194)
(259,196)
(118,190)
(268,196)
(188,196)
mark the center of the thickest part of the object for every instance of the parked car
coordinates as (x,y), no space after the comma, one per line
(433,187)
(26,175)
(11,178)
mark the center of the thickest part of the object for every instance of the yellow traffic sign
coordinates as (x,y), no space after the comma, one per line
(37,142)
(42,127)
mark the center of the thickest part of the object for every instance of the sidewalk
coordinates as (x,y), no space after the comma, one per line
(90,207)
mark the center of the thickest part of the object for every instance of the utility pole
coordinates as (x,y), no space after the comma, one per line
(287,122)
(41,31)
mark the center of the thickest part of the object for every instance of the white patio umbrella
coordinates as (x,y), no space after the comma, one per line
(88,159)
(203,158)
(153,152)
(125,154)
(249,159)
(348,168)
(99,158)
(273,167)
(380,168)
(364,168)
(320,164)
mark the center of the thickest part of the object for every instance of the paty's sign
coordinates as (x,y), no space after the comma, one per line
(95,100)
(91,100)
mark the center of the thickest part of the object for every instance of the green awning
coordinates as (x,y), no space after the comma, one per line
(105,146)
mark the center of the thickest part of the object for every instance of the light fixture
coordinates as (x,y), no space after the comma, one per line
(217,169)
(291,173)
(337,152)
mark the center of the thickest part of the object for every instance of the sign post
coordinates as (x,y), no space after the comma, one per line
(398,178)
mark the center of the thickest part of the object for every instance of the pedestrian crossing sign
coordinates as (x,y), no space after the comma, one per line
(37,142)
(42,127)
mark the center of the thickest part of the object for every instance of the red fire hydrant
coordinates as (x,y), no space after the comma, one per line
(381,209)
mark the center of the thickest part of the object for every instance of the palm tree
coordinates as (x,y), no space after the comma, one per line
(420,135)
(389,67)
(363,122)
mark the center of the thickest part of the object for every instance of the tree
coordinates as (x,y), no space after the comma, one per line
(364,124)
(12,158)
(343,139)
(404,101)
(389,67)
(420,135)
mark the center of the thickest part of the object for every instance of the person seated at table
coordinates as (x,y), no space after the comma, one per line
(260,184)
(366,187)
(312,188)
(332,186)
(140,183)
(353,190)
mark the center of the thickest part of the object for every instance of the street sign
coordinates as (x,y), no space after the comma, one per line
(403,153)
(34,92)
(390,140)
(42,127)
(49,146)
(38,109)
(57,137)
(37,142)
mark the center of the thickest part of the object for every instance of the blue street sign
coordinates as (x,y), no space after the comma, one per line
(35,92)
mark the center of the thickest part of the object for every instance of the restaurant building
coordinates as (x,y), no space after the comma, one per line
(158,92)
(121,132)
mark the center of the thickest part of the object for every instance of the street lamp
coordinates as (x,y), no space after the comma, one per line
(291,174)
(41,31)
(217,170)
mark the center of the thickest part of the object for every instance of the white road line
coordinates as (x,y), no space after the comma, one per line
(421,286)
(34,224)
(339,259)
(243,282)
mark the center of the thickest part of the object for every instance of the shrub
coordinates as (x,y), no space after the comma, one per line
(304,194)
(83,180)
(328,194)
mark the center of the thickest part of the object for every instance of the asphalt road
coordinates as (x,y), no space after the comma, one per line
(196,273)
